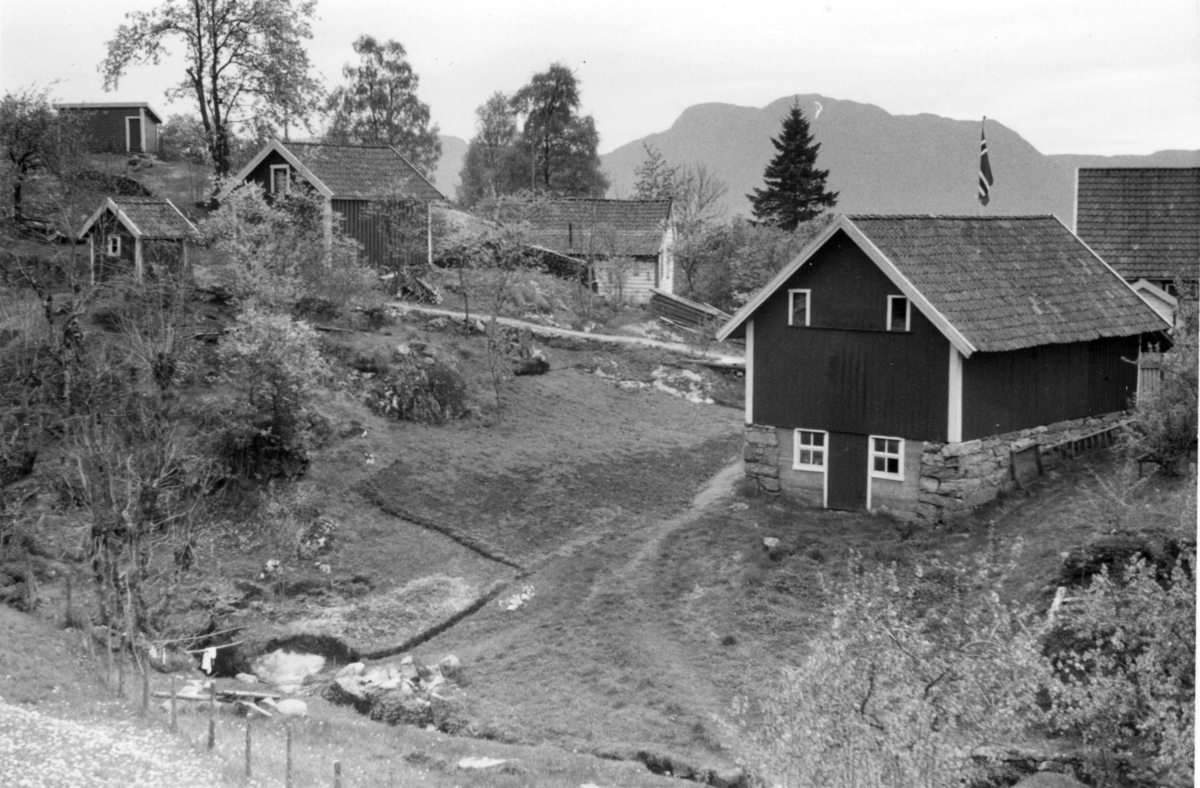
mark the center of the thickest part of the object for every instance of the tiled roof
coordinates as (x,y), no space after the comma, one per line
(620,228)
(362,172)
(1144,222)
(155,217)
(1007,283)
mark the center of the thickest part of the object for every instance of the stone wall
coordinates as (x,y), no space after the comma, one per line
(761,455)
(952,478)
(956,477)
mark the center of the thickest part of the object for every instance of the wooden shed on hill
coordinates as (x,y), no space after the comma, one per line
(1145,223)
(118,128)
(902,361)
(627,246)
(381,200)
(142,236)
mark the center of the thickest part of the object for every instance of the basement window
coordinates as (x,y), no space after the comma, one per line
(798,311)
(114,246)
(808,450)
(899,313)
(887,458)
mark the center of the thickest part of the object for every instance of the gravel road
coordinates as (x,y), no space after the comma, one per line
(39,751)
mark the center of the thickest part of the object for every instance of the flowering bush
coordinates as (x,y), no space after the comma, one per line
(271,365)
(420,389)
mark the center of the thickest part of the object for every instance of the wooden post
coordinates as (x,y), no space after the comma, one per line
(121,669)
(248,748)
(146,688)
(337,774)
(173,726)
(287,774)
(212,716)
(67,617)
(108,643)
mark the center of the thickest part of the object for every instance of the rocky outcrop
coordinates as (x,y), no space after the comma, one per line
(407,692)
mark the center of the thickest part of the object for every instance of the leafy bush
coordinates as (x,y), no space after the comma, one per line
(1164,424)
(420,389)
(1125,665)
(918,670)
(278,255)
(271,365)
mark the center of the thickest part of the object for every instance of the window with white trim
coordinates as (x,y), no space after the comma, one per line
(808,450)
(114,245)
(887,458)
(798,303)
(280,178)
(899,312)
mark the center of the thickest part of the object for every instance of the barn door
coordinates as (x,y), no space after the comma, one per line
(133,135)
(848,457)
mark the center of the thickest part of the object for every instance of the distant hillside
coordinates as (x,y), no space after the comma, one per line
(878,162)
(445,177)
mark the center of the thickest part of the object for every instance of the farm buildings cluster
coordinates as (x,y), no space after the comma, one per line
(918,364)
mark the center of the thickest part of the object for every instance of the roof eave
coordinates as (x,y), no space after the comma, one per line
(1113,271)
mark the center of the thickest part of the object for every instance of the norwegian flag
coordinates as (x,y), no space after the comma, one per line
(985,170)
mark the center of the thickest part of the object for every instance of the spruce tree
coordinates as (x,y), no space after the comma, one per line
(795,188)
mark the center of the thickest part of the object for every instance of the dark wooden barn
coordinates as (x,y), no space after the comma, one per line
(895,342)
(118,128)
(382,201)
(138,236)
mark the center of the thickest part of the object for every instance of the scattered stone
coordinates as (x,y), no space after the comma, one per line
(246,678)
(353,669)
(480,763)
(348,691)
(728,778)
(450,666)
(292,707)
(286,667)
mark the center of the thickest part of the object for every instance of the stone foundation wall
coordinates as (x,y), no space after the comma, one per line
(953,477)
(956,477)
(761,455)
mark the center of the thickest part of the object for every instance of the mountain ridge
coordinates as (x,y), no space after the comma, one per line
(878,162)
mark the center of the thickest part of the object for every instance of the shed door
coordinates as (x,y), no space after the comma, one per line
(848,459)
(134,134)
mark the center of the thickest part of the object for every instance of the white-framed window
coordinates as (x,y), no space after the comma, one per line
(898,313)
(808,450)
(798,307)
(113,248)
(887,458)
(280,178)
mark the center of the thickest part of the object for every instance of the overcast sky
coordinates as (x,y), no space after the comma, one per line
(1071,76)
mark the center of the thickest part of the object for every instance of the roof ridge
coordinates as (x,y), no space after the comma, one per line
(947,216)
(336,144)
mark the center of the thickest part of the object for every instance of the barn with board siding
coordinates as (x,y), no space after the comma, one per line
(138,236)
(118,128)
(381,200)
(901,361)
(627,246)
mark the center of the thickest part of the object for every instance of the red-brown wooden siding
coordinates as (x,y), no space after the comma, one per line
(361,224)
(845,372)
(104,129)
(1015,390)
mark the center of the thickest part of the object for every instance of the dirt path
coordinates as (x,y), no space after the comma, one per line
(539,330)
(597,659)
